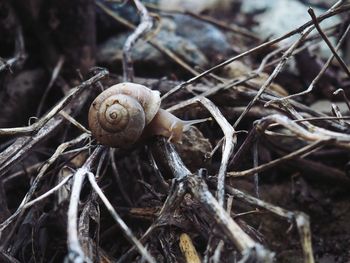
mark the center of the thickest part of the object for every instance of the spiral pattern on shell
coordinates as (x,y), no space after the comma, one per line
(117,117)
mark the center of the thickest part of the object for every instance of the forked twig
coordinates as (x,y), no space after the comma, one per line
(200,191)
(319,75)
(230,139)
(249,248)
(329,44)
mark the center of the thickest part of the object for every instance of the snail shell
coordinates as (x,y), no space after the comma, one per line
(118,116)
(126,112)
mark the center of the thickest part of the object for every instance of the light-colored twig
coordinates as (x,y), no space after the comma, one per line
(278,161)
(48,193)
(303,224)
(188,249)
(230,139)
(314,134)
(74,122)
(75,251)
(246,245)
(141,30)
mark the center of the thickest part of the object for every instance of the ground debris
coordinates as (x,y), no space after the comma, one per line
(257,172)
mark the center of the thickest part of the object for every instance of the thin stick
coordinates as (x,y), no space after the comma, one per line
(74,122)
(278,161)
(274,74)
(56,71)
(76,253)
(233,28)
(256,163)
(117,177)
(315,134)
(218,23)
(126,230)
(48,193)
(345,97)
(303,223)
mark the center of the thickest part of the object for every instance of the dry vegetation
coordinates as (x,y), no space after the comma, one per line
(264,179)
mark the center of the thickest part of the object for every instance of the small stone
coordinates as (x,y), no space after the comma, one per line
(209,39)
(110,52)
(275,18)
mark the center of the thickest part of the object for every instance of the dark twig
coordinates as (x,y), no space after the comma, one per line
(54,75)
(117,177)
(256,163)
(233,28)
(329,44)
(337,113)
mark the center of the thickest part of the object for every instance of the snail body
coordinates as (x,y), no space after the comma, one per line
(126,112)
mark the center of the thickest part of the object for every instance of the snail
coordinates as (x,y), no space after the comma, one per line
(127,112)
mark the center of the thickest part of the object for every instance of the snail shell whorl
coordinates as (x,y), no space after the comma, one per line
(118,115)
